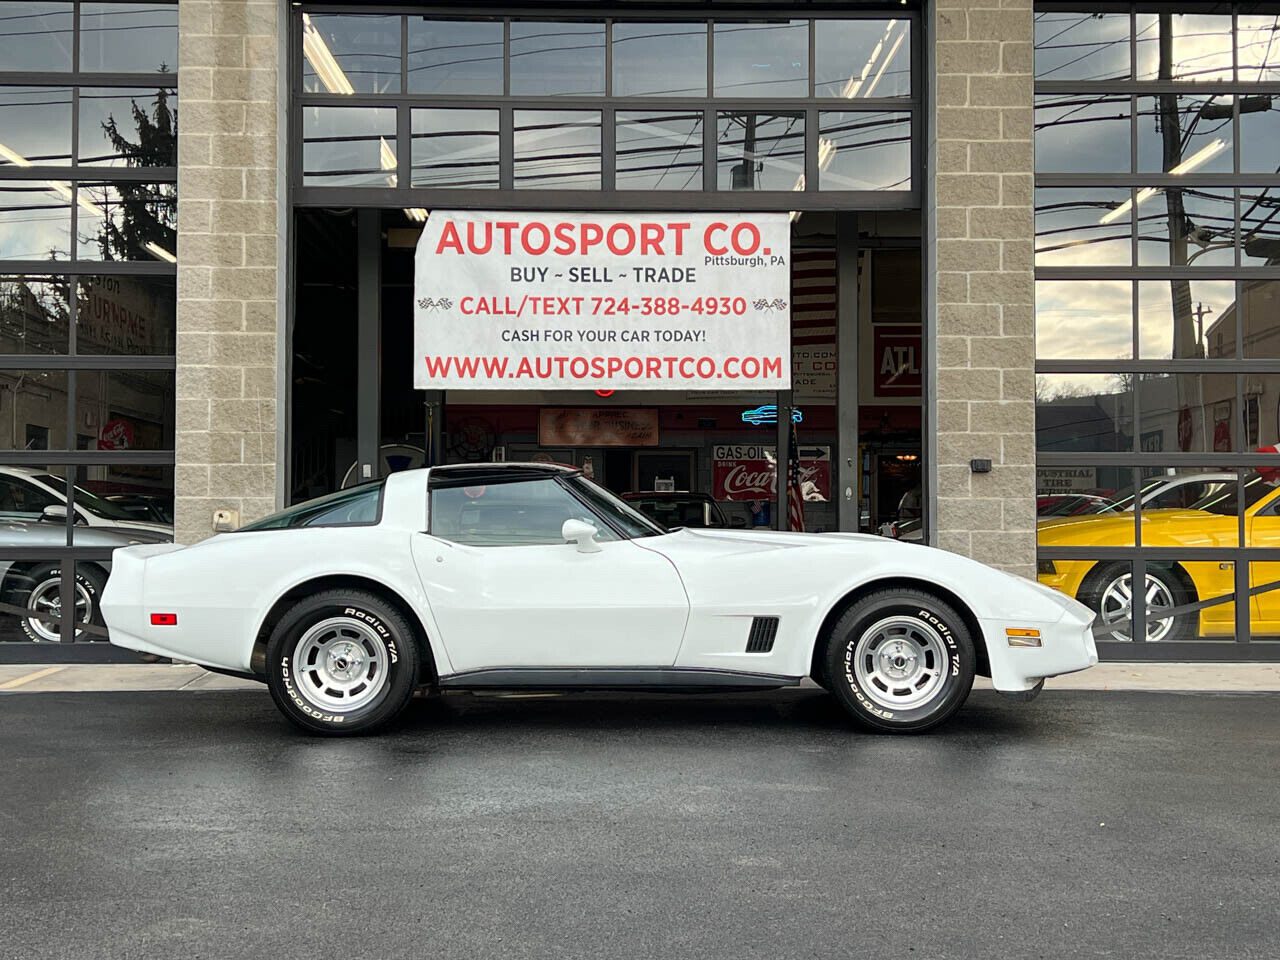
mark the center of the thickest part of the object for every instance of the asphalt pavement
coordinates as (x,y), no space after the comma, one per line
(199,824)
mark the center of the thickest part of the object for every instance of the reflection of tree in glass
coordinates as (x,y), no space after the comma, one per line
(146,213)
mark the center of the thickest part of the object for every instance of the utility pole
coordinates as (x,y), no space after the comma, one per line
(1183,331)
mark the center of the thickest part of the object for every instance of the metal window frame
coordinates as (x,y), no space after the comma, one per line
(71,271)
(1237,365)
(508,198)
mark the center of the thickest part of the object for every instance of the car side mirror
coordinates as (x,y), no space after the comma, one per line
(581,533)
(737,522)
(56,512)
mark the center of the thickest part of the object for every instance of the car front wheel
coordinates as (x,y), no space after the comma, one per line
(342,662)
(900,661)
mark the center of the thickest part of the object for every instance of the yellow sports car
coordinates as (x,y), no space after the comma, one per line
(1107,586)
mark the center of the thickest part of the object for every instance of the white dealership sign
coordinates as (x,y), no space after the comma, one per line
(520,301)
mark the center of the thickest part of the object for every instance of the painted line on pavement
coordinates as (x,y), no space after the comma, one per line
(19,681)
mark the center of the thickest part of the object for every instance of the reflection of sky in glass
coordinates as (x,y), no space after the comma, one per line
(1259,226)
(762,59)
(1084,319)
(1079,133)
(129,37)
(659,151)
(35,123)
(759,151)
(1207,224)
(1260,136)
(1069,231)
(1213,301)
(659,59)
(1258,48)
(34,221)
(97,105)
(862,58)
(152,207)
(553,59)
(454,56)
(872,151)
(343,146)
(36,36)
(557,149)
(1082,46)
(366,48)
(1201,46)
(1199,124)
(455,148)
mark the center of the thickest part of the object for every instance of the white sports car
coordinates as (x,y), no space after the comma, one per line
(505,576)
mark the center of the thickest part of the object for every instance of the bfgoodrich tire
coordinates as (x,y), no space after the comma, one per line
(900,661)
(42,593)
(342,662)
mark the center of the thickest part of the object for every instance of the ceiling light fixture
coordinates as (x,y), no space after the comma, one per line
(855,82)
(826,153)
(322,60)
(1200,157)
(159,252)
(335,80)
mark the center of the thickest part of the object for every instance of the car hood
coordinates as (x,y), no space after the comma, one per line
(1114,529)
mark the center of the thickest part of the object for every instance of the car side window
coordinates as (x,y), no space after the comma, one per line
(26,500)
(523,513)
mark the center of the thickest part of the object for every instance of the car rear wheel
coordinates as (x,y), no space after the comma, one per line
(45,596)
(1109,591)
(900,661)
(342,662)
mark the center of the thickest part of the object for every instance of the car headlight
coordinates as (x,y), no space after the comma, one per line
(1045,568)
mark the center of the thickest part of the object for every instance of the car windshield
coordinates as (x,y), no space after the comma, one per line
(86,500)
(679,511)
(1222,500)
(631,522)
(345,508)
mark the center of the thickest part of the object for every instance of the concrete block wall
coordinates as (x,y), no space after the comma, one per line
(227,261)
(985,344)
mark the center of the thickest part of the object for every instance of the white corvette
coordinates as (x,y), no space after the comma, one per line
(504,576)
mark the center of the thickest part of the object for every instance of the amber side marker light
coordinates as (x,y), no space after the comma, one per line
(1022,638)
(164,619)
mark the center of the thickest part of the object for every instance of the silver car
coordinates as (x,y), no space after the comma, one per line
(36,585)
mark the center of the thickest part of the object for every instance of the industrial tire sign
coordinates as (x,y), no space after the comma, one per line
(520,301)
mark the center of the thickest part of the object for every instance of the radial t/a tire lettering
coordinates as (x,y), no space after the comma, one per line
(899,661)
(342,662)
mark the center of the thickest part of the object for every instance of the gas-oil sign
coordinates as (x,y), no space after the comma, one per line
(602,301)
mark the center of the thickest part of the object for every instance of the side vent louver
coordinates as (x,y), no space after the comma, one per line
(763,631)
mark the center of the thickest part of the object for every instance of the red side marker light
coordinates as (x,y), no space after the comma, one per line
(164,619)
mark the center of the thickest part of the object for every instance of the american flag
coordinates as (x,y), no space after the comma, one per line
(795,497)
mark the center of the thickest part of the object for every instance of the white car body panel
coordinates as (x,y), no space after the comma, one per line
(685,599)
(550,606)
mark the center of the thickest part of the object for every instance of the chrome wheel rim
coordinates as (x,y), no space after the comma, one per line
(1117,606)
(340,664)
(900,663)
(46,597)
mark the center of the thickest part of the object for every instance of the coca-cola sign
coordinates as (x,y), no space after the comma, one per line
(116,435)
(749,471)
